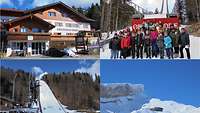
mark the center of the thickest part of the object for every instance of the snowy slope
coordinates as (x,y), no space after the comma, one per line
(48,101)
(168,107)
(130,98)
(122,98)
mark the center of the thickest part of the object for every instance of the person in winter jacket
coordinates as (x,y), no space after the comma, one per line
(113,45)
(175,34)
(125,44)
(147,44)
(160,44)
(140,43)
(184,42)
(154,36)
(168,45)
(132,44)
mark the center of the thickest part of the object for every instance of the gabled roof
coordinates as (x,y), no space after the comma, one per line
(38,9)
(50,26)
(11,12)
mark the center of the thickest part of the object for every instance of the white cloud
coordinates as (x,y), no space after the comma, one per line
(7,2)
(151,5)
(93,69)
(38,72)
(41,2)
(21,2)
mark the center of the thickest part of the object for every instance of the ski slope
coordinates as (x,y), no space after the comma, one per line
(49,103)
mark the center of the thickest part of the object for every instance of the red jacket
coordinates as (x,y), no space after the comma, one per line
(125,42)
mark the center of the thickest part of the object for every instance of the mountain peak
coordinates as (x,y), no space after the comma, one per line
(120,89)
(167,107)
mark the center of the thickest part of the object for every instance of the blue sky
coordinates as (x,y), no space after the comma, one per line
(28,4)
(166,80)
(90,66)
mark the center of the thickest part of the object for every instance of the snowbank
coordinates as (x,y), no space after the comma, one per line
(168,107)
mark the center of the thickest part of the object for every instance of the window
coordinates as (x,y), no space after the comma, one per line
(36,30)
(75,25)
(58,24)
(23,29)
(85,25)
(71,25)
(51,14)
(68,25)
(15,30)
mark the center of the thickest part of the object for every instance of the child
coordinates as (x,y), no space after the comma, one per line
(168,45)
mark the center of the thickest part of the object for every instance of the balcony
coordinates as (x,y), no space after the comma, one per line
(28,36)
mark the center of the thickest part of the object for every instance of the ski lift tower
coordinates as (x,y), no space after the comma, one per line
(164,8)
(163,16)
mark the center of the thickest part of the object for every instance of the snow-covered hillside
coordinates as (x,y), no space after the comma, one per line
(168,107)
(130,98)
(122,98)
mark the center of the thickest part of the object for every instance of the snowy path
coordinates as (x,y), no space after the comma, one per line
(194,49)
(48,101)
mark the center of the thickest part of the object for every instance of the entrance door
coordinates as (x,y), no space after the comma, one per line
(38,48)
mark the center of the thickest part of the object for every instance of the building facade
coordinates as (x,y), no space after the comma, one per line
(36,30)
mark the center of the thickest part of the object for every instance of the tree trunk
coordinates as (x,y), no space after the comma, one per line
(117,17)
(102,15)
(109,17)
(197,8)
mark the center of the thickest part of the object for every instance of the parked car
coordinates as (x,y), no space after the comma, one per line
(53,52)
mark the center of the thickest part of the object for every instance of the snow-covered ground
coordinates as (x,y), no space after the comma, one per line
(105,52)
(49,103)
(168,107)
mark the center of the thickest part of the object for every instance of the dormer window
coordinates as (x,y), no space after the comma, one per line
(23,29)
(51,13)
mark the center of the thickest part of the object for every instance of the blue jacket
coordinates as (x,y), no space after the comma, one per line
(168,42)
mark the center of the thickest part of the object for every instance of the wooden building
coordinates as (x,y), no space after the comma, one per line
(38,29)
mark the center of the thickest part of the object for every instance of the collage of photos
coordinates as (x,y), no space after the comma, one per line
(99,56)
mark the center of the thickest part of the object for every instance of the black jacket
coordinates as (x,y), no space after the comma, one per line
(184,39)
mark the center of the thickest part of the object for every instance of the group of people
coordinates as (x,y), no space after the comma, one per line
(156,41)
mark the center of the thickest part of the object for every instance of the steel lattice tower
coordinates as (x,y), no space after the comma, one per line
(164,4)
